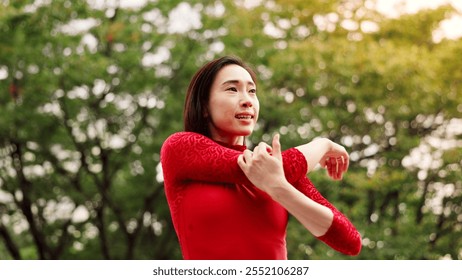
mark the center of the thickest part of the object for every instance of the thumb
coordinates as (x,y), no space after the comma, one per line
(323,161)
(277,147)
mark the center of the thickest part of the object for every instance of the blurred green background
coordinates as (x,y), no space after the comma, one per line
(89,90)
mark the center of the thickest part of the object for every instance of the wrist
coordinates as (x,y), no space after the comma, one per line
(315,150)
(279,190)
(327,144)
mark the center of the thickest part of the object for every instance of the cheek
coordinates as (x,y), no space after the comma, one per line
(257,109)
(220,110)
(222,103)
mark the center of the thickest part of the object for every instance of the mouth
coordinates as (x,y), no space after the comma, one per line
(244,116)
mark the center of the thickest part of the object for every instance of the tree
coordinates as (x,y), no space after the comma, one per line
(83,126)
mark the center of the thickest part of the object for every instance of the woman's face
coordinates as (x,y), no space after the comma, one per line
(233,105)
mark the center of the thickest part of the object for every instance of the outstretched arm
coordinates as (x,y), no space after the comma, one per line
(191,156)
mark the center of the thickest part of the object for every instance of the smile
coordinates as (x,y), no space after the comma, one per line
(244,117)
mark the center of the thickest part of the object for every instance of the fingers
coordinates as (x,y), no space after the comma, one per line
(262,147)
(277,147)
(247,156)
(336,166)
(244,158)
(241,162)
(347,163)
(260,151)
(331,167)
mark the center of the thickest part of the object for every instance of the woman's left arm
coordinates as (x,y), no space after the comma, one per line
(266,172)
(322,219)
(341,234)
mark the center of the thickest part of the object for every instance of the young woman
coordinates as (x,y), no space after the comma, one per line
(228,202)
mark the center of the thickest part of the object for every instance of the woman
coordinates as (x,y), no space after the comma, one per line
(228,202)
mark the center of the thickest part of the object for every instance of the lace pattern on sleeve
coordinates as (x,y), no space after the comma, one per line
(342,236)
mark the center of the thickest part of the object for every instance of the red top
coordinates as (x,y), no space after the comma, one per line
(218,214)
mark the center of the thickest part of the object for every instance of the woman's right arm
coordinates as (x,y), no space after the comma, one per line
(192,156)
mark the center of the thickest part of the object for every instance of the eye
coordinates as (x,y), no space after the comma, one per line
(253,91)
(231,89)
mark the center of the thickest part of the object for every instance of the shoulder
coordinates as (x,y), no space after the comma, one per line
(183,140)
(182,147)
(185,137)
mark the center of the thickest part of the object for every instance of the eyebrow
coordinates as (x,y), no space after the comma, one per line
(237,82)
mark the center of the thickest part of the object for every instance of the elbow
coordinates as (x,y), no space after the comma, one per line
(356,246)
(344,239)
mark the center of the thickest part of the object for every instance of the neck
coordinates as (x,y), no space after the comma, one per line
(232,141)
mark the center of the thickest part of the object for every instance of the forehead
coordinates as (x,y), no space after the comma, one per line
(233,72)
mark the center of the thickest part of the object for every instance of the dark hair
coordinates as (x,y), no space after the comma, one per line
(195,115)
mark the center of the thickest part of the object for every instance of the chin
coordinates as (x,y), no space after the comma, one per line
(246,133)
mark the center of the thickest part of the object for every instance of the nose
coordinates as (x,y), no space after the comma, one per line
(247,104)
(245,101)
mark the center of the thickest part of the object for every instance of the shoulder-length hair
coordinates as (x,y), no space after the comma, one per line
(195,114)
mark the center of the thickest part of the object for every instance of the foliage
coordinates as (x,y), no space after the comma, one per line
(89,91)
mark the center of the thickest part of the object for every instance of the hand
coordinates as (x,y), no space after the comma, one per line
(336,161)
(263,167)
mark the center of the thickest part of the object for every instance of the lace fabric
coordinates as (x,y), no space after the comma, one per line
(240,218)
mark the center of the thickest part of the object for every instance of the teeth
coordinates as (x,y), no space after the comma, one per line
(246,117)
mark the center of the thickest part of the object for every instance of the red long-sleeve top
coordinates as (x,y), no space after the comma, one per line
(217,212)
